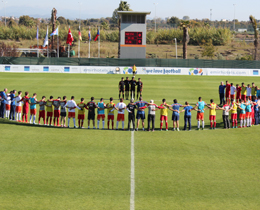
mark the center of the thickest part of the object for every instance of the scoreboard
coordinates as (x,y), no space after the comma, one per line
(133,38)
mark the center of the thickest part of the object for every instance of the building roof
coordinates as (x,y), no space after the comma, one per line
(133,13)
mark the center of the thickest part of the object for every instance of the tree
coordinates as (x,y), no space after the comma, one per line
(123,6)
(186,18)
(254,24)
(12,23)
(173,20)
(62,20)
(26,21)
(208,49)
(186,38)
(105,25)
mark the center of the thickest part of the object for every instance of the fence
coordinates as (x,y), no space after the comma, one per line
(189,63)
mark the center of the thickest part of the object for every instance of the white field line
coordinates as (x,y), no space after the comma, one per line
(132,179)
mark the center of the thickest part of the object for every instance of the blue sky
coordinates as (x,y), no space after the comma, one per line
(221,9)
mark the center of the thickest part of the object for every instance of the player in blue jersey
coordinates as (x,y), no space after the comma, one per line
(33,102)
(248,111)
(101,113)
(242,116)
(140,113)
(200,112)
(175,114)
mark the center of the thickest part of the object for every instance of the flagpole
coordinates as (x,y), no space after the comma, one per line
(79,45)
(48,43)
(69,49)
(89,44)
(99,42)
(37,42)
(58,43)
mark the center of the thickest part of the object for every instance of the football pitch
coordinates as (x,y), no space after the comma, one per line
(60,168)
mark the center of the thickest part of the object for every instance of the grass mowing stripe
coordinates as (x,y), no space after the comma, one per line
(132,195)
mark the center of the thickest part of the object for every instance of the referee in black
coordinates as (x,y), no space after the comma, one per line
(131,115)
(127,85)
(122,88)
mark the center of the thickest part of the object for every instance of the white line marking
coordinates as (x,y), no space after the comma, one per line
(132,194)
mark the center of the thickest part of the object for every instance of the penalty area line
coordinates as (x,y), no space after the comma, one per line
(132,176)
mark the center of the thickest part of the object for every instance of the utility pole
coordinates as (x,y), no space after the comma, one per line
(234,17)
(155,15)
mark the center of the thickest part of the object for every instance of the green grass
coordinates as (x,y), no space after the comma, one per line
(56,168)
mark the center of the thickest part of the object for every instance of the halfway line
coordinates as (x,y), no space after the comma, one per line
(132,194)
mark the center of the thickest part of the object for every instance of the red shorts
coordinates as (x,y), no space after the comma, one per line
(71,115)
(233,116)
(7,107)
(227,94)
(120,117)
(242,116)
(163,117)
(25,110)
(101,116)
(49,114)
(110,117)
(243,97)
(248,114)
(33,111)
(238,96)
(18,109)
(212,117)
(232,96)
(200,116)
(42,114)
(56,113)
(81,117)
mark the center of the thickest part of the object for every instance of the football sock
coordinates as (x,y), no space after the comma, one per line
(215,124)
(17,116)
(161,125)
(30,118)
(198,124)
(236,122)
(245,122)
(241,123)
(211,124)
(123,124)
(74,122)
(20,116)
(202,124)
(44,121)
(117,125)
(103,122)
(58,121)
(50,120)
(98,124)
(166,125)
(23,117)
(233,123)
(34,118)
(26,118)
(82,123)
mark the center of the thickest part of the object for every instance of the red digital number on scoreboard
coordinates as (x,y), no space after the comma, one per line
(133,38)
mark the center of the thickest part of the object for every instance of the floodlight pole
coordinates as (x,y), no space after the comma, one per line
(155,14)
(234,16)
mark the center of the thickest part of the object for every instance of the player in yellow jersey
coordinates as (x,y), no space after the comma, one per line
(81,113)
(110,115)
(243,92)
(212,113)
(49,109)
(164,114)
(234,113)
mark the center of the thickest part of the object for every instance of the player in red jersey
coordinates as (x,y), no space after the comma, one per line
(228,86)
(238,96)
(25,100)
(56,104)
(81,113)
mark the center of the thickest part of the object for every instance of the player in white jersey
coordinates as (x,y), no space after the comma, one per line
(120,107)
(233,90)
(8,105)
(71,105)
(18,107)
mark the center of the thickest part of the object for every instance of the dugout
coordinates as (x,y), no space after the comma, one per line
(132,41)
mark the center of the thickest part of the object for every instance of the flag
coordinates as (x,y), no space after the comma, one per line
(97,35)
(80,37)
(56,32)
(70,38)
(45,43)
(89,35)
(37,33)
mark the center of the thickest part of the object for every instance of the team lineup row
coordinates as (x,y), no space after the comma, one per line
(17,108)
